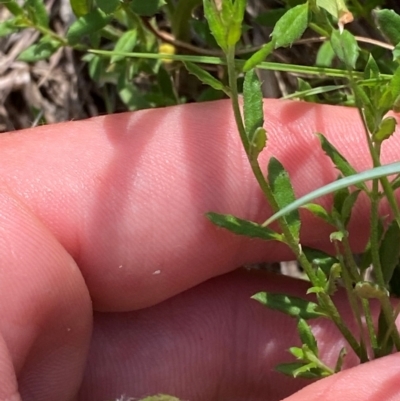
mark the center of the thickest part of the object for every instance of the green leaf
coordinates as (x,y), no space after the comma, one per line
(356,179)
(345,47)
(37,12)
(81,7)
(13,7)
(283,193)
(371,70)
(205,77)
(338,160)
(319,259)
(7,27)
(125,43)
(243,227)
(259,56)
(253,113)
(389,24)
(146,8)
(347,207)
(39,51)
(386,129)
(339,362)
(290,26)
(299,369)
(109,6)
(307,337)
(88,24)
(325,55)
(318,211)
(217,26)
(389,250)
(292,306)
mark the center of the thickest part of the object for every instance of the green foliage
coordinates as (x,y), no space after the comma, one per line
(290,26)
(292,306)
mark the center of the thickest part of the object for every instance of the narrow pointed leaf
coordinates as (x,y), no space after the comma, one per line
(307,336)
(37,12)
(253,104)
(339,362)
(243,227)
(88,24)
(258,56)
(338,160)
(377,172)
(205,77)
(347,207)
(290,26)
(125,43)
(284,195)
(293,370)
(318,211)
(292,306)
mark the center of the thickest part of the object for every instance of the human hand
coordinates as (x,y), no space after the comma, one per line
(107,215)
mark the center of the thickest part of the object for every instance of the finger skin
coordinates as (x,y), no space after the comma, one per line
(45,309)
(209,343)
(126,194)
(111,211)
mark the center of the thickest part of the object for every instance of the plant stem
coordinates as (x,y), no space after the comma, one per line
(325,299)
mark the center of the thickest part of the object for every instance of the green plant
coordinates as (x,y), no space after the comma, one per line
(374,95)
(119,42)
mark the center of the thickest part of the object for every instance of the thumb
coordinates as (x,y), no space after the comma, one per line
(376,380)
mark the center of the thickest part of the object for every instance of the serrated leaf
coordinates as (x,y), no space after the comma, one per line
(389,24)
(146,8)
(386,129)
(125,43)
(205,77)
(243,227)
(292,306)
(39,51)
(338,159)
(290,26)
(258,57)
(389,250)
(345,47)
(283,193)
(109,6)
(307,337)
(253,111)
(88,24)
(37,12)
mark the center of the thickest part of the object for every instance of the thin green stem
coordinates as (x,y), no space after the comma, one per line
(326,301)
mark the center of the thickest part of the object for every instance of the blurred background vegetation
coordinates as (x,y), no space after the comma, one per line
(47,75)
